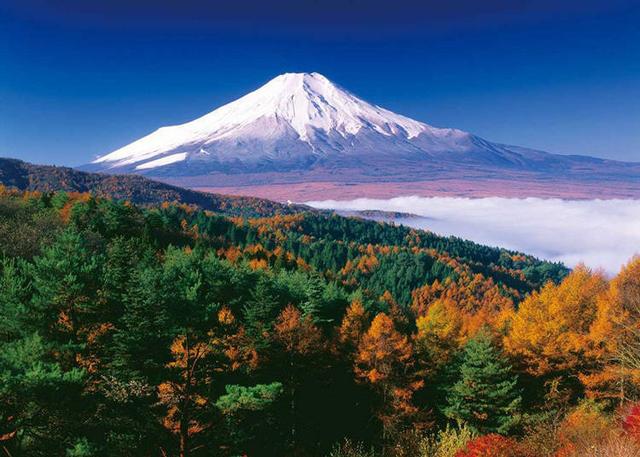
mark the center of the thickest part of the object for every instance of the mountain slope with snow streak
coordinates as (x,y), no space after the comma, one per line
(302,128)
(296,119)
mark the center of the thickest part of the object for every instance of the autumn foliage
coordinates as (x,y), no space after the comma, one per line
(631,421)
(489,446)
(171,331)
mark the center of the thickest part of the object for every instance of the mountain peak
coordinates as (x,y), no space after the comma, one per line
(296,116)
(302,77)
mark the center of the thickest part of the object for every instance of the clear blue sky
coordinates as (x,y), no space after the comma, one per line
(79,78)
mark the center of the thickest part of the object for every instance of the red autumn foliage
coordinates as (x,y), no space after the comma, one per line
(492,445)
(631,422)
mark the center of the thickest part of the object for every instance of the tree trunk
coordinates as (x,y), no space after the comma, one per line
(293,404)
(183,443)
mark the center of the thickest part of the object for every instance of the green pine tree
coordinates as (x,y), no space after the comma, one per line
(33,419)
(313,304)
(249,417)
(485,395)
(14,293)
(261,311)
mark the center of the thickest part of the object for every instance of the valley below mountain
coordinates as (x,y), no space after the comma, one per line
(601,234)
(305,187)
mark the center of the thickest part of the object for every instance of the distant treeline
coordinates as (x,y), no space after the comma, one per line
(25,176)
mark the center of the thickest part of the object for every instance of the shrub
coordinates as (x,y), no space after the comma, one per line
(631,422)
(583,428)
(492,445)
(541,436)
(350,449)
(613,446)
(446,442)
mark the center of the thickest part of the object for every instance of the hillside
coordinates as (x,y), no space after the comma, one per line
(166,330)
(136,189)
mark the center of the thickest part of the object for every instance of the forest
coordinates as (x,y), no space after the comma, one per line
(170,330)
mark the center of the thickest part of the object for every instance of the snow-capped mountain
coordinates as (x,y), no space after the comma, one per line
(296,120)
(301,128)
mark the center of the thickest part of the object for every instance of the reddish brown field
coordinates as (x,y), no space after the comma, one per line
(300,192)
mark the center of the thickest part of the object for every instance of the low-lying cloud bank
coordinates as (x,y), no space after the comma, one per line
(600,233)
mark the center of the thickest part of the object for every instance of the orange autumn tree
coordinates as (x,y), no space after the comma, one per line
(298,340)
(581,428)
(354,324)
(393,310)
(196,358)
(550,332)
(424,296)
(182,395)
(492,445)
(385,361)
(297,334)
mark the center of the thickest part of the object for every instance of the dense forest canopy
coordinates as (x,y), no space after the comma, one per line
(169,330)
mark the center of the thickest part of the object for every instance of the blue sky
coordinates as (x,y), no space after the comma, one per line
(81,78)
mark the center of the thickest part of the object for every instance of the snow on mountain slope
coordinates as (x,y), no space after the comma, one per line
(302,128)
(295,119)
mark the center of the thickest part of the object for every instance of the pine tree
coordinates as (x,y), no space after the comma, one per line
(260,311)
(249,416)
(139,348)
(14,293)
(313,305)
(485,395)
(31,383)
(119,265)
(66,280)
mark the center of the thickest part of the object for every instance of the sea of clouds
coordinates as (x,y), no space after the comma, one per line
(600,233)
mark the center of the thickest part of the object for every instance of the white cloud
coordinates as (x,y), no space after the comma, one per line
(600,233)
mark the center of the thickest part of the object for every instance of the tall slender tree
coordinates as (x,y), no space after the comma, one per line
(385,361)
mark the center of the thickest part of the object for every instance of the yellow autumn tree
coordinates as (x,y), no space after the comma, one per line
(439,333)
(614,338)
(385,361)
(479,301)
(550,332)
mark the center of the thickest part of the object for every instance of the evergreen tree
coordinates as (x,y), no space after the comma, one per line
(119,265)
(66,280)
(485,395)
(33,420)
(14,294)
(261,310)
(313,304)
(249,419)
